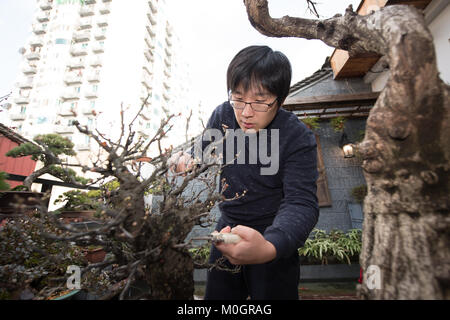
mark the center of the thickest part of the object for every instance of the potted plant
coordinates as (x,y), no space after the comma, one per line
(95,254)
(311,122)
(338,123)
(333,247)
(79,206)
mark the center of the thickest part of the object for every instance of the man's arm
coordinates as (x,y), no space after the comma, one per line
(299,210)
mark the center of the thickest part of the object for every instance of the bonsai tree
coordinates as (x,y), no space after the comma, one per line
(406,150)
(48,148)
(141,244)
(338,123)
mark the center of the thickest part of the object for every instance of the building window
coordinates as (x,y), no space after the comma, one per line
(61,41)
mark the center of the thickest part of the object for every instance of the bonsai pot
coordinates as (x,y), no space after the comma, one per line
(77,216)
(8,200)
(95,255)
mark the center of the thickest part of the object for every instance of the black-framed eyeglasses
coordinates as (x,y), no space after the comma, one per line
(256,106)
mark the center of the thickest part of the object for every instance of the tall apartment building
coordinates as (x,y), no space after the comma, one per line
(85,59)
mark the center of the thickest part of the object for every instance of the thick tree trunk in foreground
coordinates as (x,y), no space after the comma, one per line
(406,150)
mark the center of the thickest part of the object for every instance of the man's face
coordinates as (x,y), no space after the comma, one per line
(248,119)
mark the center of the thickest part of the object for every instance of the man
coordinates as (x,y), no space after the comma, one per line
(276,212)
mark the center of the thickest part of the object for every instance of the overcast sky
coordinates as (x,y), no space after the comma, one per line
(212,31)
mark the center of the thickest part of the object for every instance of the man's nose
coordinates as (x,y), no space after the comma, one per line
(247,111)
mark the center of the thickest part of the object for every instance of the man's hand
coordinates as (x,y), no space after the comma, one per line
(252,249)
(180,162)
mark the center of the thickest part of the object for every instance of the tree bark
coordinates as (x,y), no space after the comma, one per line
(406,148)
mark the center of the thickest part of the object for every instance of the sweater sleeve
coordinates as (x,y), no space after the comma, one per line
(299,209)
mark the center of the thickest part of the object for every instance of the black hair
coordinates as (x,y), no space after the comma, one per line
(263,67)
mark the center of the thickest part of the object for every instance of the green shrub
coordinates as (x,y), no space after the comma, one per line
(4,186)
(322,246)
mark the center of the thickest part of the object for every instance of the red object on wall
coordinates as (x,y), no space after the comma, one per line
(21,166)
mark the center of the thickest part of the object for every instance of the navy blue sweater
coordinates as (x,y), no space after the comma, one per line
(284,202)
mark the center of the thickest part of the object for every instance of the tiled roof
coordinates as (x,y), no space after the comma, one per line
(319,74)
(10,134)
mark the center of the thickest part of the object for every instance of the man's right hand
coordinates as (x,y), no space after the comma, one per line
(180,162)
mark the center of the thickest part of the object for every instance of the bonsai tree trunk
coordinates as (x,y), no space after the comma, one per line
(406,148)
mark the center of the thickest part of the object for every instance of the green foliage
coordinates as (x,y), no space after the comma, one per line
(359,193)
(79,200)
(67,174)
(323,246)
(338,123)
(29,260)
(201,255)
(311,122)
(20,188)
(57,144)
(4,186)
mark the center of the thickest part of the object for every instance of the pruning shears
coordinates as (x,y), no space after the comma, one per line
(217,237)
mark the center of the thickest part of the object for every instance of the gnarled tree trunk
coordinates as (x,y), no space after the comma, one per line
(406,149)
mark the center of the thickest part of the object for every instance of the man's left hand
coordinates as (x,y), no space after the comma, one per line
(252,249)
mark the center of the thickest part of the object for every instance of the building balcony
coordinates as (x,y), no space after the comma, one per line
(39,29)
(148,55)
(168,52)
(166,84)
(73,79)
(147,69)
(70,95)
(87,11)
(152,6)
(80,51)
(33,56)
(102,21)
(90,2)
(76,64)
(105,9)
(98,48)
(22,100)
(169,42)
(146,80)
(167,73)
(45,4)
(100,35)
(151,18)
(168,62)
(146,114)
(151,32)
(64,129)
(17,116)
(166,96)
(83,147)
(25,84)
(66,112)
(35,42)
(44,16)
(94,77)
(89,111)
(82,36)
(29,70)
(97,62)
(85,23)
(169,30)
(91,94)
